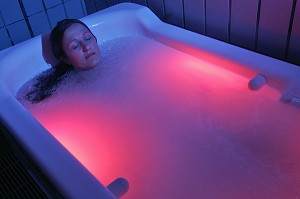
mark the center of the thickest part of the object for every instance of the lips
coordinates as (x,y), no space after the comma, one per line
(89,55)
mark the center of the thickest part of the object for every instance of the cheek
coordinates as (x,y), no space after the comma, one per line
(74,58)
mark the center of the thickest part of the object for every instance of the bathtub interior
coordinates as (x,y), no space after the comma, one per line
(175,119)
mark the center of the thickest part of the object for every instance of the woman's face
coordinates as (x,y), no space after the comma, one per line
(80,47)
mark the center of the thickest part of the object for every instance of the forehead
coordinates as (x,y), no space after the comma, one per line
(74,32)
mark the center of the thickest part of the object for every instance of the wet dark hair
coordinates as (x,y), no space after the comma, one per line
(48,81)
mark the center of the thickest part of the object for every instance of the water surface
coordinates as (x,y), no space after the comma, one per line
(175,126)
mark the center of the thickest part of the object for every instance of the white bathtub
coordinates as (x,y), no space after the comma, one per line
(21,62)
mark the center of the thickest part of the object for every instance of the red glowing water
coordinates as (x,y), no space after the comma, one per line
(176,126)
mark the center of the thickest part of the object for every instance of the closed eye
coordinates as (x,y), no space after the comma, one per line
(87,36)
(74,46)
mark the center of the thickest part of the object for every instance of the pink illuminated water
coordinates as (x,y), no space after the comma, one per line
(175,126)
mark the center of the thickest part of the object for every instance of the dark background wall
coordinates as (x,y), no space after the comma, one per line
(23,19)
(270,27)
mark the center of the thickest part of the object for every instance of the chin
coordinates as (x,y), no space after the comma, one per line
(88,66)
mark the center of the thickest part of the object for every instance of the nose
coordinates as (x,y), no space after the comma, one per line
(85,47)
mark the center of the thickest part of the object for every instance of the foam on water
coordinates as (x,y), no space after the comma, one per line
(175,126)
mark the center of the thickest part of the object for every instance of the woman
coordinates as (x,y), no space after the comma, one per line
(76,48)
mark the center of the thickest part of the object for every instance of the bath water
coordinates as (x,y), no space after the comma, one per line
(174,125)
